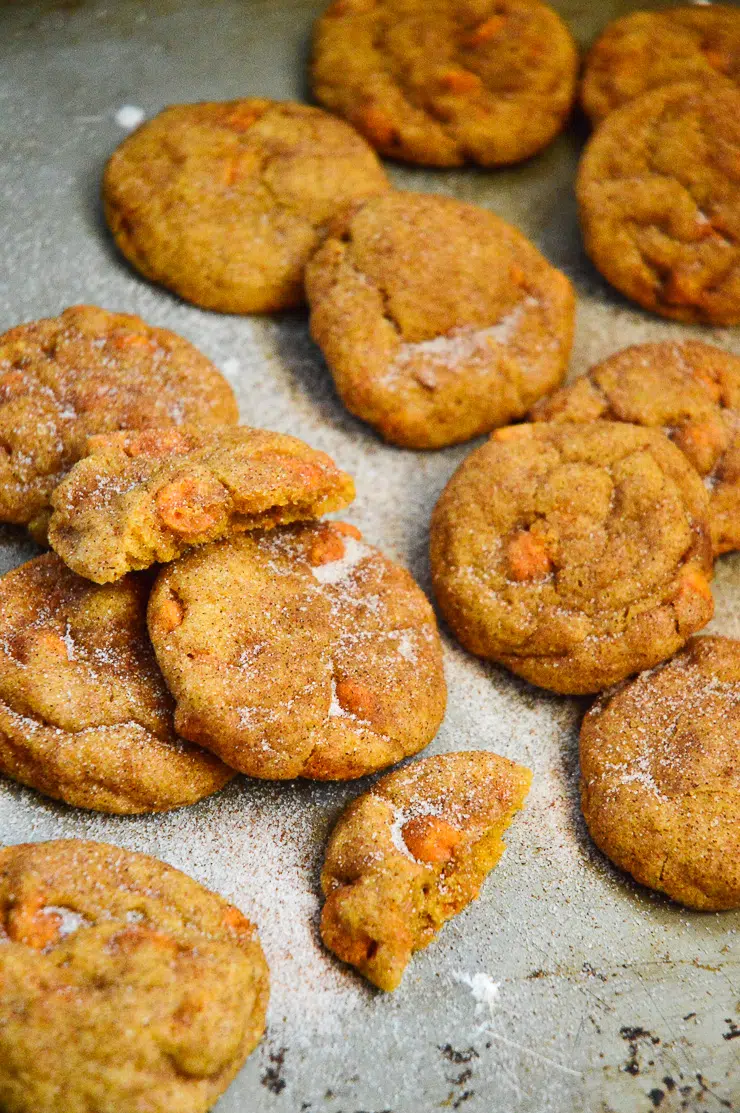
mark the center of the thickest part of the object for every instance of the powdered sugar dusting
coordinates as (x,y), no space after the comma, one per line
(461,345)
(70,921)
(337,570)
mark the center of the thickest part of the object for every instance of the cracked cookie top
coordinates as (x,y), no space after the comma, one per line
(573,554)
(225,202)
(660,775)
(659,198)
(299,652)
(439,321)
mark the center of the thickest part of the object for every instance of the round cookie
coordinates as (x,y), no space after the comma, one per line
(413,852)
(301,652)
(574,555)
(91,371)
(690,390)
(438,320)
(645,50)
(225,202)
(127,986)
(659,199)
(84,713)
(660,775)
(444,82)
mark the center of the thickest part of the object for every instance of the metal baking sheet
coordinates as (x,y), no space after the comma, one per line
(565,988)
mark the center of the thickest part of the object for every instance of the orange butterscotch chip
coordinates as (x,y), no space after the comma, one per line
(28,923)
(527,558)
(512,433)
(720,60)
(191,506)
(245,114)
(348,530)
(460,81)
(133,340)
(131,938)
(245,164)
(430,838)
(327,548)
(357,698)
(170,614)
(238,923)
(377,125)
(693,582)
(485,31)
(703,442)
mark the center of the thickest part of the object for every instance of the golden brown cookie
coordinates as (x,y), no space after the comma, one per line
(301,652)
(91,371)
(438,320)
(444,82)
(573,554)
(126,986)
(645,50)
(659,199)
(139,498)
(225,202)
(691,391)
(84,713)
(660,775)
(413,852)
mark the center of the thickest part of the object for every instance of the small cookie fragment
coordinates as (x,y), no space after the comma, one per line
(413,852)
(92,936)
(437,319)
(225,202)
(300,652)
(660,775)
(659,199)
(445,82)
(84,713)
(145,497)
(575,555)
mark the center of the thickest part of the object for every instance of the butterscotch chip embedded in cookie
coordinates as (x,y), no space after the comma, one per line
(413,852)
(141,498)
(659,199)
(660,775)
(225,202)
(438,320)
(575,555)
(84,713)
(444,82)
(300,652)
(127,986)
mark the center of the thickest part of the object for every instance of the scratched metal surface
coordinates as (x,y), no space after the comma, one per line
(591,993)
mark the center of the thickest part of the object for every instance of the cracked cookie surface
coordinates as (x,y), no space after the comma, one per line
(660,775)
(659,199)
(92,935)
(300,652)
(84,713)
(225,202)
(413,852)
(444,82)
(574,555)
(437,319)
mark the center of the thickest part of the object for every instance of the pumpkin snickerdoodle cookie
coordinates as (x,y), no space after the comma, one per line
(84,713)
(444,82)
(299,652)
(127,986)
(139,498)
(574,555)
(660,775)
(438,320)
(225,202)
(413,852)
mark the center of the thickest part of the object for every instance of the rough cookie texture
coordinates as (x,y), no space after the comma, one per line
(645,50)
(444,82)
(91,371)
(225,202)
(413,852)
(139,498)
(126,986)
(299,652)
(438,320)
(659,198)
(660,775)
(691,391)
(84,713)
(573,554)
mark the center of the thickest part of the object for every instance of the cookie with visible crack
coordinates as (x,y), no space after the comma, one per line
(411,853)
(575,555)
(85,716)
(437,319)
(91,936)
(225,202)
(660,775)
(300,652)
(141,498)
